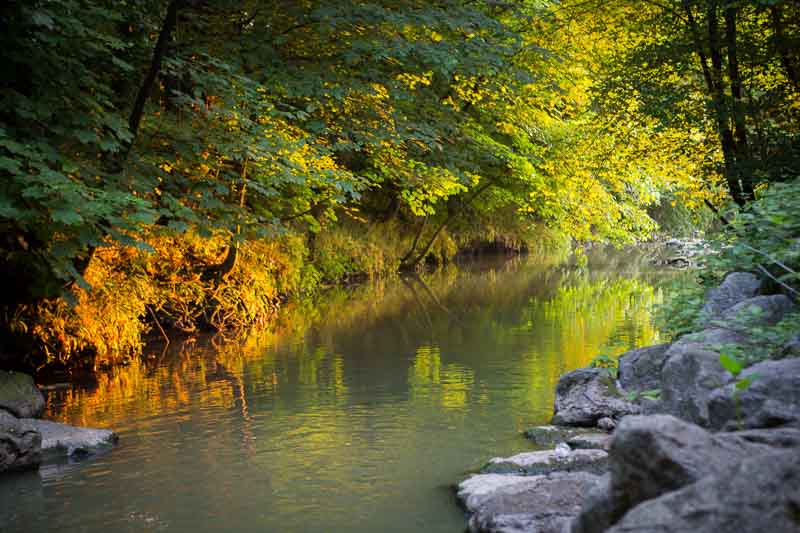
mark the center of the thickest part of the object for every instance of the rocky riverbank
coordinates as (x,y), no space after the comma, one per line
(670,441)
(26,441)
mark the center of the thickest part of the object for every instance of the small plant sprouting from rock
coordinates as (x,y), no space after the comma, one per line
(734,365)
(650,394)
(607,364)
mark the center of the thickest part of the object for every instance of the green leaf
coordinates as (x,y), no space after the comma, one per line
(66,216)
(730,364)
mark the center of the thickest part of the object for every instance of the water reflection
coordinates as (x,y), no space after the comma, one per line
(350,415)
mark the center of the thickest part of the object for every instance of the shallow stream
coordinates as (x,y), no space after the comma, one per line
(356,414)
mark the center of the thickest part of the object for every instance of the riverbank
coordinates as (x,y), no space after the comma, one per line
(26,441)
(185,285)
(698,441)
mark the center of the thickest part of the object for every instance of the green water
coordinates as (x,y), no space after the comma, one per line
(355,414)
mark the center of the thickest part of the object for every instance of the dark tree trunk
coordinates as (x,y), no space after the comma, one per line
(741,147)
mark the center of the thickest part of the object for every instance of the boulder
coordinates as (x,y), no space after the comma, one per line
(586,395)
(758,311)
(507,503)
(549,436)
(760,493)
(692,371)
(19,395)
(70,441)
(771,399)
(737,287)
(640,369)
(655,455)
(20,446)
(597,511)
(561,459)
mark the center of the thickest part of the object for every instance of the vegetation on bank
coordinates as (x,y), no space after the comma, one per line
(762,238)
(192,164)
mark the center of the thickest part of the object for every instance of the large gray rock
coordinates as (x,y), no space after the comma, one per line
(20,446)
(771,399)
(562,459)
(506,503)
(654,455)
(737,287)
(692,371)
(758,311)
(586,395)
(70,441)
(19,395)
(597,511)
(640,369)
(760,493)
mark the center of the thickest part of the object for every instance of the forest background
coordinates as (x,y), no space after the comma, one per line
(193,164)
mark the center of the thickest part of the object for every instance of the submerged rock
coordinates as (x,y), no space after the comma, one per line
(70,441)
(546,461)
(586,395)
(640,370)
(737,287)
(771,399)
(20,446)
(19,395)
(759,493)
(505,503)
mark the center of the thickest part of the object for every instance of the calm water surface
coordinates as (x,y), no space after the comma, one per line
(356,414)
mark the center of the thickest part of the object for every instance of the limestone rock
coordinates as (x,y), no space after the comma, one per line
(20,446)
(692,371)
(597,511)
(771,399)
(607,424)
(640,369)
(586,395)
(590,441)
(656,454)
(506,503)
(549,436)
(70,441)
(546,461)
(760,493)
(737,287)
(759,310)
(19,395)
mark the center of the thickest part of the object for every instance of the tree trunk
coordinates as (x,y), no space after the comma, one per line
(783,48)
(742,149)
(720,108)
(418,259)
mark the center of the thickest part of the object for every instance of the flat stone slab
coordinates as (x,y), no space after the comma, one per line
(549,436)
(590,441)
(512,504)
(70,441)
(547,461)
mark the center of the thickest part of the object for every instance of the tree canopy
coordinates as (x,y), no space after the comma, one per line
(247,121)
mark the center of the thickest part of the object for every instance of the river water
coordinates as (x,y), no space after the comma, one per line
(357,413)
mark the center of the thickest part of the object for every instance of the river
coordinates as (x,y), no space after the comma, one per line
(356,413)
